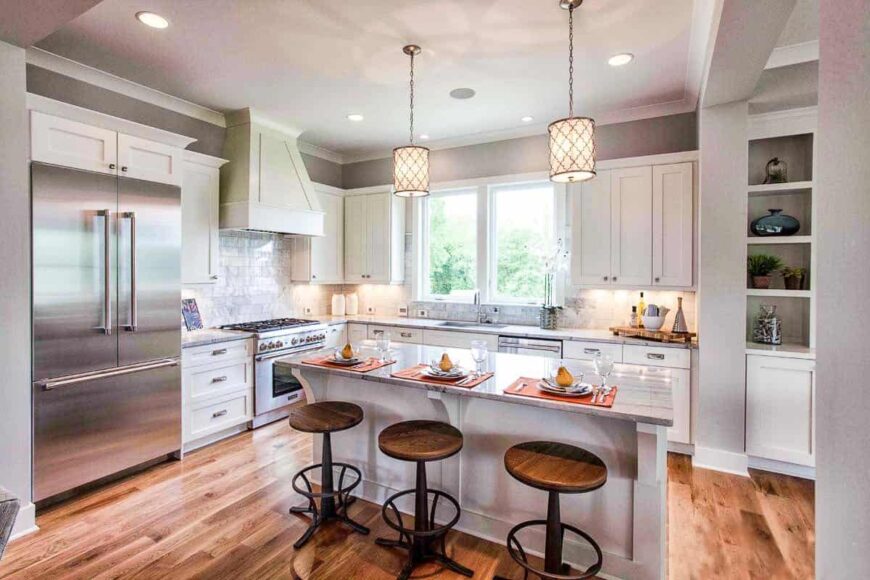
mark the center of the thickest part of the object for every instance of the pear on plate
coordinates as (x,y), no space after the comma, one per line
(347,351)
(446,364)
(564,378)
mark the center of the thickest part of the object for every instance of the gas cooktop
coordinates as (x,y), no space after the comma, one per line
(260,326)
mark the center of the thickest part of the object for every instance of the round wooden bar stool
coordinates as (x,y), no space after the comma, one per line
(421,442)
(325,418)
(556,468)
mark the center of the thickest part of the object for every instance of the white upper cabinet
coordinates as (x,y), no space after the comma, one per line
(200,201)
(320,259)
(633,227)
(72,144)
(143,159)
(374,239)
(672,225)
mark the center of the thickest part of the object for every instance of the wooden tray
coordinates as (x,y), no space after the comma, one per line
(656,335)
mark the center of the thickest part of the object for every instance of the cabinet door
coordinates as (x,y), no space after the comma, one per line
(72,144)
(780,397)
(148,160)
(355,238)
(672,225)
(378,235)
(631,226)
(327,252)
(357,333)
(200,201)
(591,215)
(458,339)
(336,335)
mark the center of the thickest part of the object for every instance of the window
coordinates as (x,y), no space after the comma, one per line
(522,227)
(491,237)
(451,255)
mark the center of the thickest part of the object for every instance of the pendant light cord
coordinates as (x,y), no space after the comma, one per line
(570,62)
(412,98)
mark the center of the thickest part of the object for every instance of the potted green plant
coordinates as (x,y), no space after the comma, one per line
(760,266)
(793,277)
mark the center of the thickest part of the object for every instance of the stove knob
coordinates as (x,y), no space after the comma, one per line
(262,346)
(294,341)
(271,345)
(279,344)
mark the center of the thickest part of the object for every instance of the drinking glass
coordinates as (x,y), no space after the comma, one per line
(479,352)
(383,344)
(603,366)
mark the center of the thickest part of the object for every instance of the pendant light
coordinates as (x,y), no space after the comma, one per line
(411,162)
(572,140)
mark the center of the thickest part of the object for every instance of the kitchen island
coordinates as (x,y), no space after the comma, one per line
(626,516)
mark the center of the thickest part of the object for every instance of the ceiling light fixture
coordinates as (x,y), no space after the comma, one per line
(572,139)
(152,20)
(462,93)
(620,59)
(527,119)
(423,136)
(355,117)
(411,162)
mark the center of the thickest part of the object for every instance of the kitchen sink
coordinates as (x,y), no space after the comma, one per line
(456,324)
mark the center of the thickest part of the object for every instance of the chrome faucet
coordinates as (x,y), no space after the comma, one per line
(482,316)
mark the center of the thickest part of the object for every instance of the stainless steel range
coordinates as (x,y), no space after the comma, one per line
(275,389)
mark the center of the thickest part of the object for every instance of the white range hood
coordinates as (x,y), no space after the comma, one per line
(265,186)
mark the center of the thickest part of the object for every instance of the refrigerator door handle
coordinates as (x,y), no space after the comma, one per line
(107,268)
(49,385)
(133,322)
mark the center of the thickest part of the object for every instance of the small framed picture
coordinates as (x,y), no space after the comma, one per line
(190,313)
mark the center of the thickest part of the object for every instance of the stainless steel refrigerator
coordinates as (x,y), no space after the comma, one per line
(106,327)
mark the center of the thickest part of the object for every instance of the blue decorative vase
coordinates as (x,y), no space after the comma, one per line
(775,224)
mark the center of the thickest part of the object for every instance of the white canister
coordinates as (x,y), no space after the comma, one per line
(338,304)
(352,304)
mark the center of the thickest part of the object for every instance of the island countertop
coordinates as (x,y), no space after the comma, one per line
(644,394)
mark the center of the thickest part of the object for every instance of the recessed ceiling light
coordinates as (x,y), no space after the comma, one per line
(527,119)
(620,59)
(152,20)
(462,93)
(423,136)
(355,117)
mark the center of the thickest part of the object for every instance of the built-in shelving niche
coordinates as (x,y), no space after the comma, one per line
(794,312)
(795,150)
(792,255)
(797,203)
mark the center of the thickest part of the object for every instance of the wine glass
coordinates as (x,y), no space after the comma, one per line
(479,352)
(603,366)
(383,344)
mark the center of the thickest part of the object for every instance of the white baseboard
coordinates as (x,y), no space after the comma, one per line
(25,523)
(721,460)
(681,448)
(802,471)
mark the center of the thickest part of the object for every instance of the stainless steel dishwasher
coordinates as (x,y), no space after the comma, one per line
(531,346)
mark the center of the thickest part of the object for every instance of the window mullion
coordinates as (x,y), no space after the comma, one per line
(484,252)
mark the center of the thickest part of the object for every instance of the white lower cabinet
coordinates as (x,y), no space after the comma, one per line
(357,332)
(454,339)
(217,383)
(336,335)
(780,409)
(585,350)
(397,333)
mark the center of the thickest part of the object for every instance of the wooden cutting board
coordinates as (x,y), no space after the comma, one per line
(656,335)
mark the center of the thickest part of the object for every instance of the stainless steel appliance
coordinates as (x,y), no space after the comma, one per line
(532,346)
(274,388)
(106,331)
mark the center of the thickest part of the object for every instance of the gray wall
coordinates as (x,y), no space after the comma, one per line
(645,137)
(15,282)
(322,170)
(721,279)
(843,335)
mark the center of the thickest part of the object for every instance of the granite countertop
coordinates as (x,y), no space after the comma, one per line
(190,338)
(579,334)
(644,394)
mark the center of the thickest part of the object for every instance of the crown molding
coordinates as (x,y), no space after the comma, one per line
(82,72)
(793,54)
(782,123)
(322,153)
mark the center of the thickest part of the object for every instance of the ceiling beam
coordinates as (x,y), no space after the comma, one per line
(26,22)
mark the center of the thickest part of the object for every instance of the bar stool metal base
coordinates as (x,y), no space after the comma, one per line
(333,501)
(420,541)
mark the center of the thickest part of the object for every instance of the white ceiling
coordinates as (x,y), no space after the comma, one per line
(308,63)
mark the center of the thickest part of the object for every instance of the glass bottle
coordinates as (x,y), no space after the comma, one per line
(768,326)
(641,307)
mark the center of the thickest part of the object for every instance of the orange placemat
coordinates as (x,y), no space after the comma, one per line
(367,365)
(414,373)
(526,387)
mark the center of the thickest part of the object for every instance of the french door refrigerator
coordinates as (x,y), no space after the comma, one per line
(106,329)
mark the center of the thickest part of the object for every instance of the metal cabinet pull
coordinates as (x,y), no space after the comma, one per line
(591,350)
(112,166)
(124,168)
(219,352)
(405,334)
(92,376)
(219,379)
(107,267)
(657,279)
(133,322)
(655,356)
(614,278)
(220,413)
(605,278)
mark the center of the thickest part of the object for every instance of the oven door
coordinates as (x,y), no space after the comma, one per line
(275,387)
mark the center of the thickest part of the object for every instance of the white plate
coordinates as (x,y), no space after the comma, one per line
(454,373)
(346,361)
(584,390)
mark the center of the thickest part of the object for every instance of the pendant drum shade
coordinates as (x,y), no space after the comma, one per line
(572,149)
(411,171)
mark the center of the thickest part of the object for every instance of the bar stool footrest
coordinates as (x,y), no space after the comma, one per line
(515,549)
(341,495)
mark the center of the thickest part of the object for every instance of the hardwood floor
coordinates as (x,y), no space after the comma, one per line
(222,513)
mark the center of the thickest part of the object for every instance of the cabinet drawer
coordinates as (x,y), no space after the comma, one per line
(582,350)
(658,356)
(217,353)
(208,381)
(357,332)
(398,334)
(222,415)
(458,339)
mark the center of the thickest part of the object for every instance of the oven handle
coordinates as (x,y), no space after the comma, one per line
(271,355)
